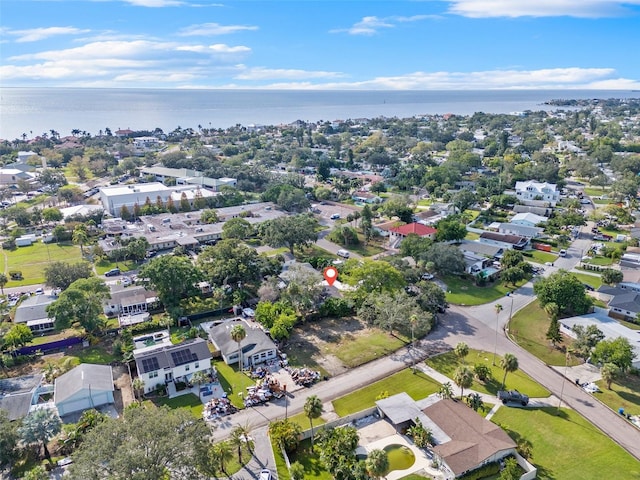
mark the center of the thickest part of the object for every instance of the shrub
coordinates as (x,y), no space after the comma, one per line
(482,472)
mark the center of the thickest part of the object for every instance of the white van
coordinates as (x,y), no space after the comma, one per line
(342,253)
(563,253)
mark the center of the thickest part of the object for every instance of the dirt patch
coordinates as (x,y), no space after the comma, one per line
(123,394)
(311,343)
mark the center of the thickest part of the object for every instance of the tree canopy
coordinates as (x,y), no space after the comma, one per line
(81,304)
(173,277)
(290,231)
(565,290)
(62,274)
(229,261)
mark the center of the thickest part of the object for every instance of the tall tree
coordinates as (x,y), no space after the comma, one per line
(8,441)
(144,444)
(173,277)
(609,371)
(509,363)
(62,274)
(17,336)
(290,231)
(553,332)
(463,376)
(238,333)
(229,262)
(377,463)
(81,303)
(461,351)
(312,409)
(3,281)
(237,228)
(564,289)
(40,426)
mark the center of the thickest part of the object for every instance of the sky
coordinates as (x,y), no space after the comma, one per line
(322,45)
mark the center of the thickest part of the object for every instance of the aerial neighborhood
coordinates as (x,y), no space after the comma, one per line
(435,297)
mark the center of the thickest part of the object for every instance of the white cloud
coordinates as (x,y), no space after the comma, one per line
(154,3)
(372,24)
(37,34)
(540,8)
(207,29)
(219,48)
(261,73)
(555,78)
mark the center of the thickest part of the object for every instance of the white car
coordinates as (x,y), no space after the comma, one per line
(39,291)
(126,281)
(265,474)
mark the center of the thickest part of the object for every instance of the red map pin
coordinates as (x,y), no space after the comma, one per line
(330,275)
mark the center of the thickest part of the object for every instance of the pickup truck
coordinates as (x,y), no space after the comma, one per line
(513,396)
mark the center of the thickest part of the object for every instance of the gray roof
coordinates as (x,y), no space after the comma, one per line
(256,340)
(480,248)
(170,356)
(16,394)
(132,295)
(33,308)
(98,378)
(627,301)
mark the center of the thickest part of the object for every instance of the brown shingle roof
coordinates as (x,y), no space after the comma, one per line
(473,439)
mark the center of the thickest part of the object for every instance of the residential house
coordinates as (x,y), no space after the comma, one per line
(481,249)
(18,394)
(32,311)
(10,176)
(528,219)
(396,234)
(130,304)
(83,387)
(623,300)
(366,197)
(159,362)
(542,211)
(257,347)
(515,242)
(186,176)
(475,264)
(542,191)
(463,440)
(520,230)
(630,260)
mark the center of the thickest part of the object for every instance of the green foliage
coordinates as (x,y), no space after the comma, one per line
(285,433)
(450,230)
(209,215)
(40,426)
(237,228)
(565,290)
(337,448)
(290,231)
(373,276)
(17,336)
(617,351)
(482,472)
(396,312)
(8,441)
(586,339)
(445,258)
(81,304)
(421,435)
(336,307)
(344,235)
(611,276)
(511,258)
(414,246)
(229,262)
(62,274)
(172,277)
(463,378)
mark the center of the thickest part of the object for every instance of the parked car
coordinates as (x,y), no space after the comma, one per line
(40,291)
(114,272)
(514,396)
(343,253)
(335,216)
(563,253)
(427,276)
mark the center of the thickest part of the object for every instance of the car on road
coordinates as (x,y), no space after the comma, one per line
(343,253)
(40,291)
(114,272)
(265,474)
(563,253)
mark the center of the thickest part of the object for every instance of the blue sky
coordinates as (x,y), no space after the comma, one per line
(345,44)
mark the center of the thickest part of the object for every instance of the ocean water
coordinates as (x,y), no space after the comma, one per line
(37,110)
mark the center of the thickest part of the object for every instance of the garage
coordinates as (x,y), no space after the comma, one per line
(86,386)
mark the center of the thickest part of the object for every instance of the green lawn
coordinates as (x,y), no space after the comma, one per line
(466,292)
(32,260)
(415,476)
(602,261)
(365,250)
(539,256)
(310,460)
(631,325)
(281,465)
(472,236)
(594,280)
(417,386)
(233,381)
(188,401)
(355,350)
(97,354)
(275,251)
(528,328)
(104,266)
(447,363)
(625,393)
(302,420)
(566,446)
(596,191)
(52,337)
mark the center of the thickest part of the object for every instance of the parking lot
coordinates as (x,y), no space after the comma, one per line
(326,210)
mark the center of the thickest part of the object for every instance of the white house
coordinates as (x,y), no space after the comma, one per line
(257,347)
(86,386)
(521,230)
(32,311)
(532,190)
(503,240)
(161,363)
(528,219)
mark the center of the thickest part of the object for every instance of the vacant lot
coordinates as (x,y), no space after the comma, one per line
(465,292)
(333,345)
(566,446)
(32,260)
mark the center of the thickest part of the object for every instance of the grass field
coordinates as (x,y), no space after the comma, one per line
(472,236)
(625,393)
(310,460)
(596,191)
(447,363)
(529,327)
(594,280)
(602,261)
(281,466)
(365,250)
(104,266)
(465,292)
(417,386)
(32,260)
(566,446)
(302,420)
(97,354)
(313,251)
(233,382)
(188,401)
(359,349)
(539,256)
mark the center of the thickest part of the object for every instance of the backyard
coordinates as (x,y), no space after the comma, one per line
(232,381)
(447,363)
(594,281)
(188,401)
(32,260)
(566,446)
(461,291)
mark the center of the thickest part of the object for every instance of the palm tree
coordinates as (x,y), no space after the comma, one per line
(313,409)
(498,308)
(609,372)
(377,463)
(138,388)
(445,391)
(222,452)
(463,377)
(236,440)
(461,351)
(238,333)
(509,363)
(3,282)
(80,236)
(40,426)
(474,400)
